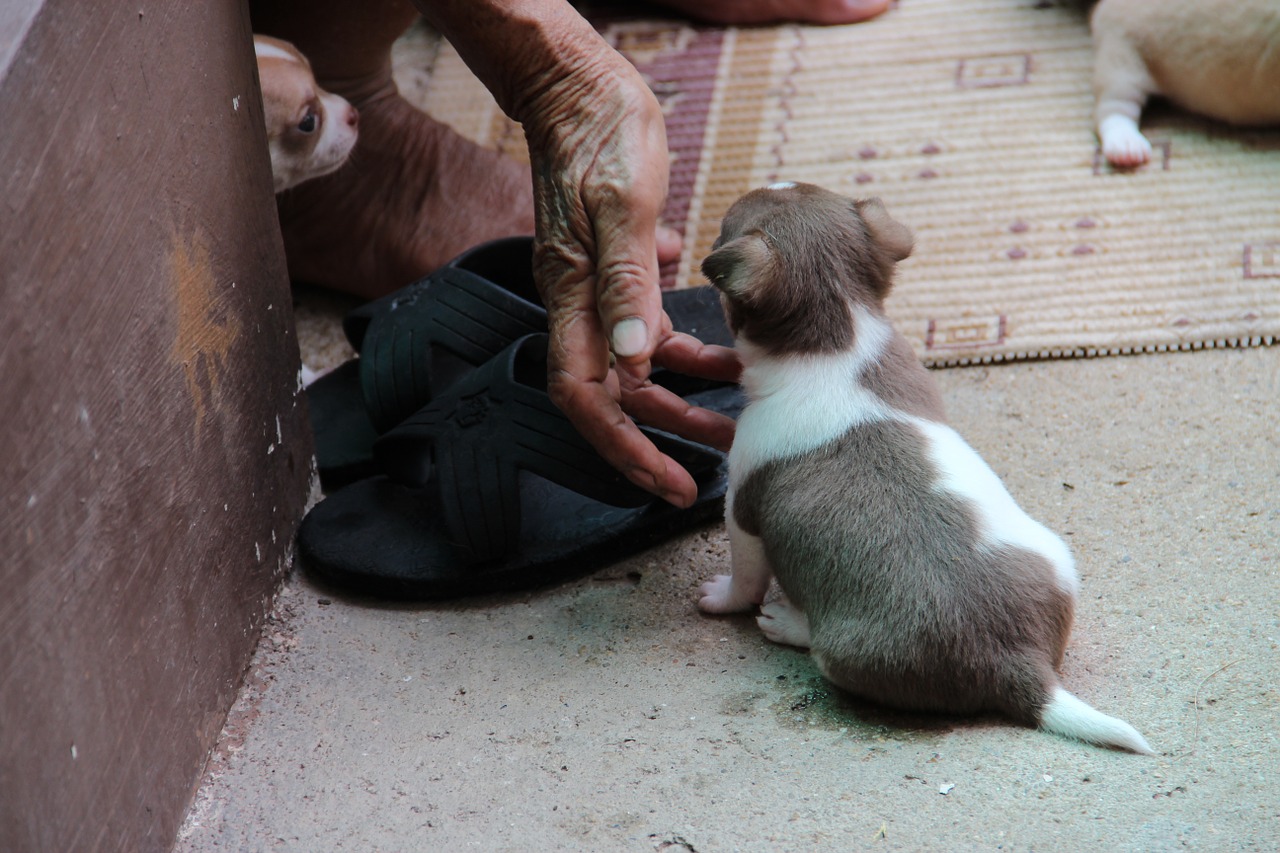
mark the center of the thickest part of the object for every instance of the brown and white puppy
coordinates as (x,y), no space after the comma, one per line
(908,570)
(1220,58)
(310,131)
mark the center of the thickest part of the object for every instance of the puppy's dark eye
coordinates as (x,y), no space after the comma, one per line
(309,122)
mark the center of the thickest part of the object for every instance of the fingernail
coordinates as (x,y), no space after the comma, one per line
(677,500)
(630,337)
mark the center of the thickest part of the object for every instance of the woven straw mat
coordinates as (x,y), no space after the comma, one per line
(972,121)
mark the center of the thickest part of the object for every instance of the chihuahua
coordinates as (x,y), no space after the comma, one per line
(310,131)
(1220,58)
(905,566)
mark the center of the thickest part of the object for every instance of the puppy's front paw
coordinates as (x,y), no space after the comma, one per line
(718,596)
(1122,143)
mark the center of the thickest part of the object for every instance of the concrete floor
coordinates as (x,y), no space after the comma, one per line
(608,714)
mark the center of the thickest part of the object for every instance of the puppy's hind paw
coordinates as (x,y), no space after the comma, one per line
(718,596)
(782,622)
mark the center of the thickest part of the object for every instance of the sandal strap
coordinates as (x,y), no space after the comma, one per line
(506,259)
(434,332)
(472,441)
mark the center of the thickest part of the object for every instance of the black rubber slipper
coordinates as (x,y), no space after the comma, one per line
(418,340)
(422,339)
(489,488)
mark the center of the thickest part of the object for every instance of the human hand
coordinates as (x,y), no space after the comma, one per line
(599,160)
(600,167)
(601,409)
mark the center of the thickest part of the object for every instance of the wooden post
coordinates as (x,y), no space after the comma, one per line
(154,451)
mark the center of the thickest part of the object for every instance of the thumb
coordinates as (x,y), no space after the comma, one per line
(627,294)
(633,334)
(624,211)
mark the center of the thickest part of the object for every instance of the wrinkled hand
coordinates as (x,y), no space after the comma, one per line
(598,150)
(600,163)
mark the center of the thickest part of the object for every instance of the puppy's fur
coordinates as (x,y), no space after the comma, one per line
(310,131)
(1220,58)
(908,570)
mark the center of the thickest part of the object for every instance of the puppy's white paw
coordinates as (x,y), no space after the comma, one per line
(782,622)
(1122,143)
(718,596)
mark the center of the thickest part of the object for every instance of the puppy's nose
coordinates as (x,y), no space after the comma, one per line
(353,118)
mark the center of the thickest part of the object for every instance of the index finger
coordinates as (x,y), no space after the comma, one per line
(684,353)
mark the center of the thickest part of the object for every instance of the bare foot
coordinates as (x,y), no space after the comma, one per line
(414,195)
(772,11)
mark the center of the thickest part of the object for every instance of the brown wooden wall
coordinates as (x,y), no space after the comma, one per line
(154,458)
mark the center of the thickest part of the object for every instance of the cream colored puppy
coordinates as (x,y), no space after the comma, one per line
(310,131)
(1220,58)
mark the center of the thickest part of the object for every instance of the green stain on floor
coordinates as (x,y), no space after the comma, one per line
(813,704)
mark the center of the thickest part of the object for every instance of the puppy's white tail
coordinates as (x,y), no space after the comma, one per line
(1067,715)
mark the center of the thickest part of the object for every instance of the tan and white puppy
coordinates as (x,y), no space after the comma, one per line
(1220,58)
(310,131)
(908,571)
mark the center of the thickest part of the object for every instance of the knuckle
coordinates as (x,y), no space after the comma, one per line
(560,260)
(622,278)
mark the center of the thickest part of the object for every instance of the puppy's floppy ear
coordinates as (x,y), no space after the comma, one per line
(737,265)
(888,232)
